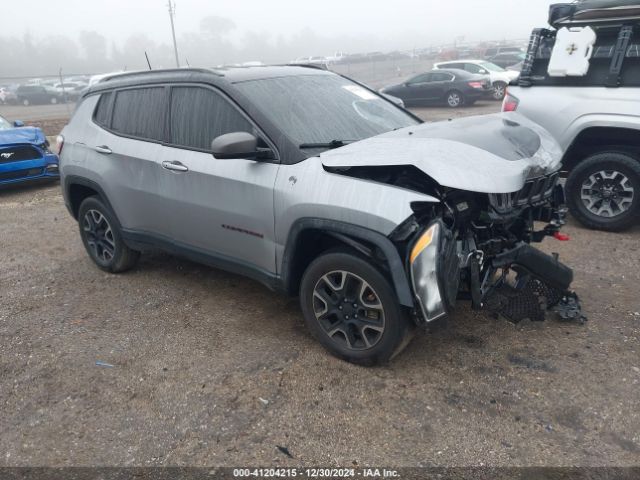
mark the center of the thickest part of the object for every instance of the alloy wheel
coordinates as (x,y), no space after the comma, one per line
(607,193)
(99,235)
(348,310)
(454,100)
(499,92)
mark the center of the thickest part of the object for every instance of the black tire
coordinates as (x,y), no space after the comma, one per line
(581,178)
(101,236)
(449,99)
(367,346)
(499,91)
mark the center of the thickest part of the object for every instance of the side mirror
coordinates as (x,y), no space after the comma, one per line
(235,145)
(18,123)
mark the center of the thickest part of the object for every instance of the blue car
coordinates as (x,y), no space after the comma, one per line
(25,154)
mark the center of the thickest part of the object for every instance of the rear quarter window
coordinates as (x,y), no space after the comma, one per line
(102,113)
(140,113)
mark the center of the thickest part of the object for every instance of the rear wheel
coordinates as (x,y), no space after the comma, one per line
(603,191)
(352,309)
(499,90)
(54,100)
(102,238)
(455,99)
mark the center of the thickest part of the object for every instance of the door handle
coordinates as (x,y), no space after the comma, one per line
(103,149)
(175,166)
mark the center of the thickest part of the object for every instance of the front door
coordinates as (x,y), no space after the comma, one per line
(220,208)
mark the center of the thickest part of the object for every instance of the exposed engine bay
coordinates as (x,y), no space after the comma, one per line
(476,246)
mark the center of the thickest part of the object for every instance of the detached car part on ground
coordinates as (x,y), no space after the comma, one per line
(25,155)
(378,231)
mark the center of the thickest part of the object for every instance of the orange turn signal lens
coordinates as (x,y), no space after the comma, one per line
(424,241)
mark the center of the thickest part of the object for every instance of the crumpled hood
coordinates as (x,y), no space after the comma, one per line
(491,154)
(31,135)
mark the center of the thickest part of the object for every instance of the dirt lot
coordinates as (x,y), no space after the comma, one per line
(213,369)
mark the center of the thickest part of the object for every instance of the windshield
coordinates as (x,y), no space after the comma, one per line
(5,124)
(321,109)
(492,67)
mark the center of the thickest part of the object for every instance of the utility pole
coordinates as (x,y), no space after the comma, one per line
(172,10)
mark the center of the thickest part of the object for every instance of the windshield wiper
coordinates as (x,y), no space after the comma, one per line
(331,144)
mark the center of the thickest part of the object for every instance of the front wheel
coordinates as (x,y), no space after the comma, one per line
(26,102)
(352,309)
(54,100)
(102,238)
(455,99)
(603,191)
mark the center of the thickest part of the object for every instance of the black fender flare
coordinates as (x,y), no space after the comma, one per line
(71,180)
(355,232)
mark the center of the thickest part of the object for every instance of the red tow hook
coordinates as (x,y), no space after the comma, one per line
(563,237)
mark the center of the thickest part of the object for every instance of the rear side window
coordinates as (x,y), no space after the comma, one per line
(425,77)
(441,77)
(101,116)
(140,113)
(473,68)
(199,115)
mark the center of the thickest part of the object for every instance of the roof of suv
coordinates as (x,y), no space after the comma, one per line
(228,75)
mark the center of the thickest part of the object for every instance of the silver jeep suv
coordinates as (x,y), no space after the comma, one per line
(317,186)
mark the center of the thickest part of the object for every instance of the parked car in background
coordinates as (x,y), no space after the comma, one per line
(320,188)
(37,95)
(78,79)
(454,88)
(24,154)
(595,117)
(506,60)
(499,77)
(69,91)
(8,96)
(493,51)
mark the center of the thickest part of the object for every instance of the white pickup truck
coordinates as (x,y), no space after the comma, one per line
(595,117)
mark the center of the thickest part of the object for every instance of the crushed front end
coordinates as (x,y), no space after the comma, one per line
(477,246)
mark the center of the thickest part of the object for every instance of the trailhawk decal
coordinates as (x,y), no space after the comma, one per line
(242,230)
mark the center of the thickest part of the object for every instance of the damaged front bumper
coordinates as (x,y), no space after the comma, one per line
(519,283)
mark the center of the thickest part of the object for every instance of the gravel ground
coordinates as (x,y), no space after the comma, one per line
(209,368)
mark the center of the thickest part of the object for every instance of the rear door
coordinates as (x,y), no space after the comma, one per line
(222,208)
(125,151)
(440,84)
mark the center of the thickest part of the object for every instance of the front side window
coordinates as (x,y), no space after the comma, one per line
(139,113)
(319,109)
(199,115)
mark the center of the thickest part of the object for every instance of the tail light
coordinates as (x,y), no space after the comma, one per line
(476,85)
(510,103)
(59,144)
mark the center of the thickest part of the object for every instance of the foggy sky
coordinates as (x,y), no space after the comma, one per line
(401,24)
